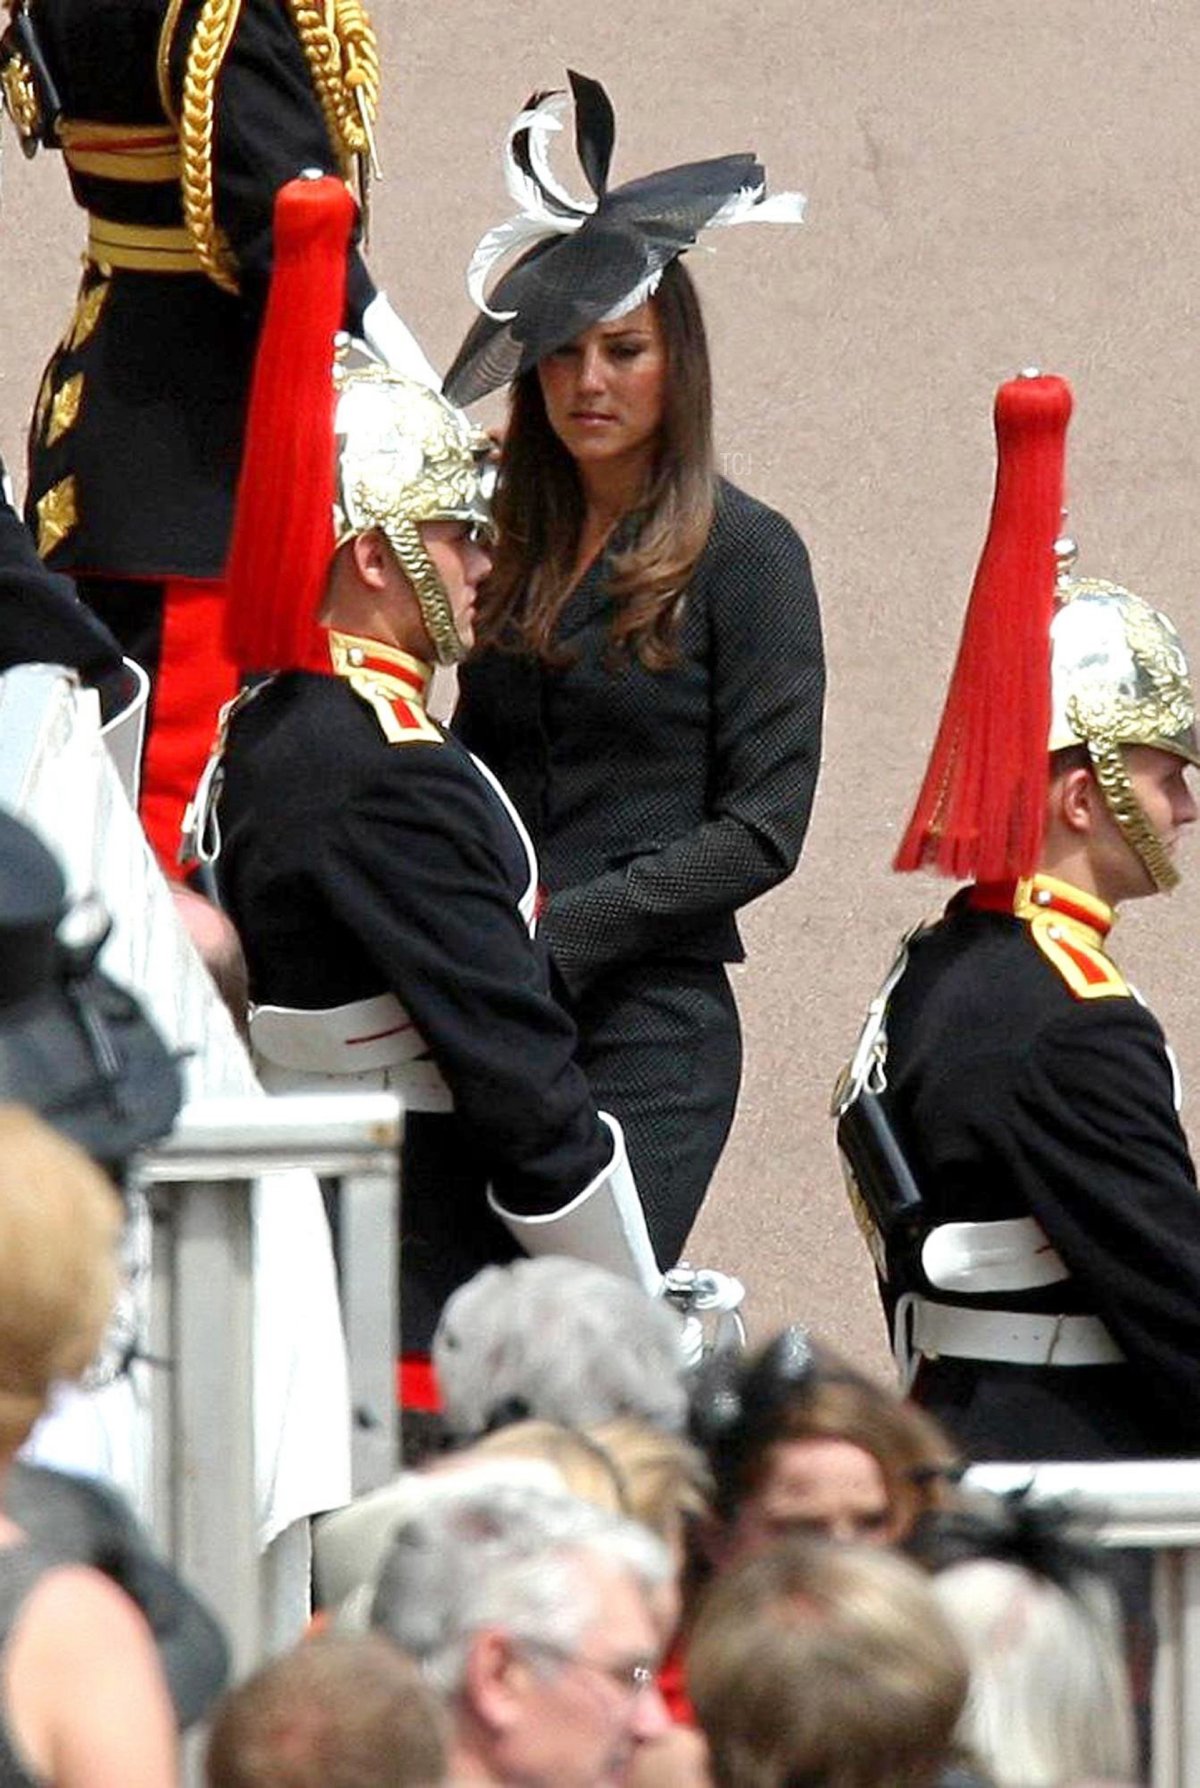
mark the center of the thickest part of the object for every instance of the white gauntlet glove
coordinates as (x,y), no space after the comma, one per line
(604,1223)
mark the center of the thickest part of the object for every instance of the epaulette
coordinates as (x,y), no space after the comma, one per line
(392,683)
(27,90)
(401,721)
(1084,966)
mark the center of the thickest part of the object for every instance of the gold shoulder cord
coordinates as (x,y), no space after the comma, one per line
(343,58)
(340,48)
(210,42)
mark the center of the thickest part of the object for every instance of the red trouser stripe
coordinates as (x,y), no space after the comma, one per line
(416,1384)
(194,679)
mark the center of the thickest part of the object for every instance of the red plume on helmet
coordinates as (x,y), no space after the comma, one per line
(981,809)
(283,541)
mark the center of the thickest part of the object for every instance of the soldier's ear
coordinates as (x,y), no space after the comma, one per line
(1078,797)
(372,558)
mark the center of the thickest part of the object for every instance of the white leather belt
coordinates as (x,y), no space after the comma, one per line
(372,1033)
(1009,1337)
(1006,1254)
(370,1043)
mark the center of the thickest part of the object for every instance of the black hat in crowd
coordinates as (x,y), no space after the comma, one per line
(594,258)
(74,1046)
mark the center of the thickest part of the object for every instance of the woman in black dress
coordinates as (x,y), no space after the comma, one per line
(649,678)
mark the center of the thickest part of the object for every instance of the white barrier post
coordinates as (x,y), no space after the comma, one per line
(200,1181)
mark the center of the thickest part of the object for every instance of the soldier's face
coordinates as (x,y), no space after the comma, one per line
(1160,784)
(462,562)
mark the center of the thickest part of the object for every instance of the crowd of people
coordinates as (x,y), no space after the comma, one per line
(607,1562)
(670,1578)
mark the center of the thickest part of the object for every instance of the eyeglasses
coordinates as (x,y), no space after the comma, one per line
(632,1679)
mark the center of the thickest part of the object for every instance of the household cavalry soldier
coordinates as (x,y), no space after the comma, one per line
(385,892)
(1008,1120)
(178,120)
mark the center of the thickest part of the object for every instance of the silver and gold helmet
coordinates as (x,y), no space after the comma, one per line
(386,453)
(1045,659)
(407,455)
(1119,677)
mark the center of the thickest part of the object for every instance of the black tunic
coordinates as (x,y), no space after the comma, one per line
(1029,1081)
(353,867)
(660,802)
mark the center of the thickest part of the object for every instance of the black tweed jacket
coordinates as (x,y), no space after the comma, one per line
(661,802)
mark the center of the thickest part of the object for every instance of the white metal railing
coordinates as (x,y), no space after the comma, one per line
(1151,1505)
(200,1183)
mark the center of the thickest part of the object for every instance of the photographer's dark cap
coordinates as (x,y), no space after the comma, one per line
(74,1046)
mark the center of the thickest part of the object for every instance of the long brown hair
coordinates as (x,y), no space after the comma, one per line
(540,507)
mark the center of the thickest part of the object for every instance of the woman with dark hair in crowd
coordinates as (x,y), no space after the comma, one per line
(649,678)
(799,1442)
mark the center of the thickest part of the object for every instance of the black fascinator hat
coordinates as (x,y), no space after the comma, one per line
(739,1405)
(74,1046)
(1049,1538)
(595,258)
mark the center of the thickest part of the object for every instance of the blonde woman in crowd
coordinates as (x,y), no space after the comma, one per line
(83,1703)
(624,1466)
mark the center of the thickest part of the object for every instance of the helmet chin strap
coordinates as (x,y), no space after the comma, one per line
(436,611)
(1108,761)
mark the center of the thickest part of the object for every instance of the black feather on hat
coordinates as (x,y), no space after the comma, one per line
(1051,1539)
(592,259)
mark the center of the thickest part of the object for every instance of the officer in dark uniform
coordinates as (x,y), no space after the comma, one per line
(177,123)
(1009,1119)
(384,890)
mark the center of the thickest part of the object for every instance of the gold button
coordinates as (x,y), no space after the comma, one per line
(355,655)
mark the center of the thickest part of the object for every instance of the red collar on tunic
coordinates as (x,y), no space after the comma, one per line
(1035,894)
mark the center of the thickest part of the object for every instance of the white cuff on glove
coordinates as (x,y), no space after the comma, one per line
(604,1223)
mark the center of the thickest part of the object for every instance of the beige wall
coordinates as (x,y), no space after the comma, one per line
(990,185)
